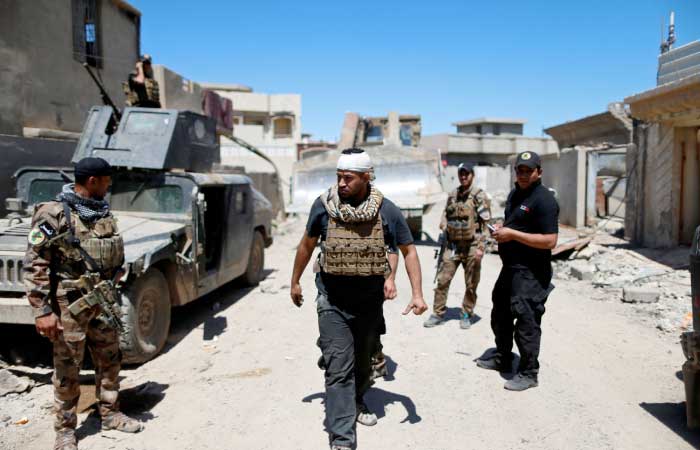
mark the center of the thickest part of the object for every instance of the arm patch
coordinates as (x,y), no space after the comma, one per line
(41,234)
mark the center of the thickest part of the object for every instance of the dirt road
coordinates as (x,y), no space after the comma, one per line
(240,373)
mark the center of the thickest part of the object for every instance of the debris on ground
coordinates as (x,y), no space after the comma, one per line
(641,294)
(10,383)
(22,421)
(656,284)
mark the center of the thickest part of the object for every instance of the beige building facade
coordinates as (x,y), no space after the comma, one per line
(487,141)
(270,122)
(664,164)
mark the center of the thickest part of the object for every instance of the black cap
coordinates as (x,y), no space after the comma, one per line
(469,167)
(92,167)
(529,159)
(145,59)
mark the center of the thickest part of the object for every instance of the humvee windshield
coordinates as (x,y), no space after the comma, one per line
(125,195)
(139,196)
(44,190)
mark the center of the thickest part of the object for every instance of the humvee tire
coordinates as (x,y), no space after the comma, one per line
(256,261)
(146,317)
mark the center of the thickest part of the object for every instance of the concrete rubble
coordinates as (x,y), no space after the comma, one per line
(656,288)
(10,383)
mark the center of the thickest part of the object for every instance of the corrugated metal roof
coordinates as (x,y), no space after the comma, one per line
(679,63)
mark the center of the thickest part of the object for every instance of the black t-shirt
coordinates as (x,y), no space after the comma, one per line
(358,292)
(533,210)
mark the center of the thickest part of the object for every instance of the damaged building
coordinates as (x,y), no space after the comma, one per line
(589,172)
(664,163)
(395,128)
(489,143)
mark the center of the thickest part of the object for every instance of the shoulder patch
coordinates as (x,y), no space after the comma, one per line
(47,229)
(36,237)
(41,233)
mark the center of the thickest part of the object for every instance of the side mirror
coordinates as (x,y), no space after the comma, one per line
(201,203)
(17,205)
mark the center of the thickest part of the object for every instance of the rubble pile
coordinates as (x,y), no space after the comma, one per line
(657,292)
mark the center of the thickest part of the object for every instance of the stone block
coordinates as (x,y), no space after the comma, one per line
(644,294)
(582,270)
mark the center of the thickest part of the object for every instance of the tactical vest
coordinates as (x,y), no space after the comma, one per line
(131,97)
(356,248)
(151,88)
(100,240)
(462,218)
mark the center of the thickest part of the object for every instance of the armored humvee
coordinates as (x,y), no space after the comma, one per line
(186,230)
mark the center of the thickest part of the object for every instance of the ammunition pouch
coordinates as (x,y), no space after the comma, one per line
(131,97)
(460,230)
(355,249)
(152,90)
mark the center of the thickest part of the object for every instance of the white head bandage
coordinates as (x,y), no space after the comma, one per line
(355,160)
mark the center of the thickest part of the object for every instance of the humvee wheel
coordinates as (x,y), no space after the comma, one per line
(256,261)
(146,317)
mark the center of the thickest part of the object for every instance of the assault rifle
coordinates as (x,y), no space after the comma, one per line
(442,242)
(97,291)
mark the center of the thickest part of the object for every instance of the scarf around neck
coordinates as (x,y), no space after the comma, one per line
(344,212)
(88,209)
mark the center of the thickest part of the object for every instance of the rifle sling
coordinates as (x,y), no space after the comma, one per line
(75,242)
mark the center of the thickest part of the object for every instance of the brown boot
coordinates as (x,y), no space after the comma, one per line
(121,422)
(65,440)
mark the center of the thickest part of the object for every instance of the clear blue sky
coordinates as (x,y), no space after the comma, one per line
(544,61)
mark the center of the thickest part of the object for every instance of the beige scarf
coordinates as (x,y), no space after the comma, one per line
(345,212)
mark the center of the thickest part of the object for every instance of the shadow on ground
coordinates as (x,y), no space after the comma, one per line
(377,400)
(456,314)
(27,348)
(204,312)
(391,367)
(135,402)
(673,416)
(490,353)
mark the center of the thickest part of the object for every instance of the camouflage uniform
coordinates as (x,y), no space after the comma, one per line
(464,220)
(146,94)
(50,265)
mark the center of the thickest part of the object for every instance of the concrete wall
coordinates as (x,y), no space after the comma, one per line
(653,176)
(566,174)
(507,145)
(176,91)
(41,83)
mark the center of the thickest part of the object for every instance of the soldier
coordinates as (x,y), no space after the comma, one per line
(72,238)
(141,89)
(463,222)
(356,224)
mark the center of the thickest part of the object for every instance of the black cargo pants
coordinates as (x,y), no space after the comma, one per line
(347,340)
(519,297)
